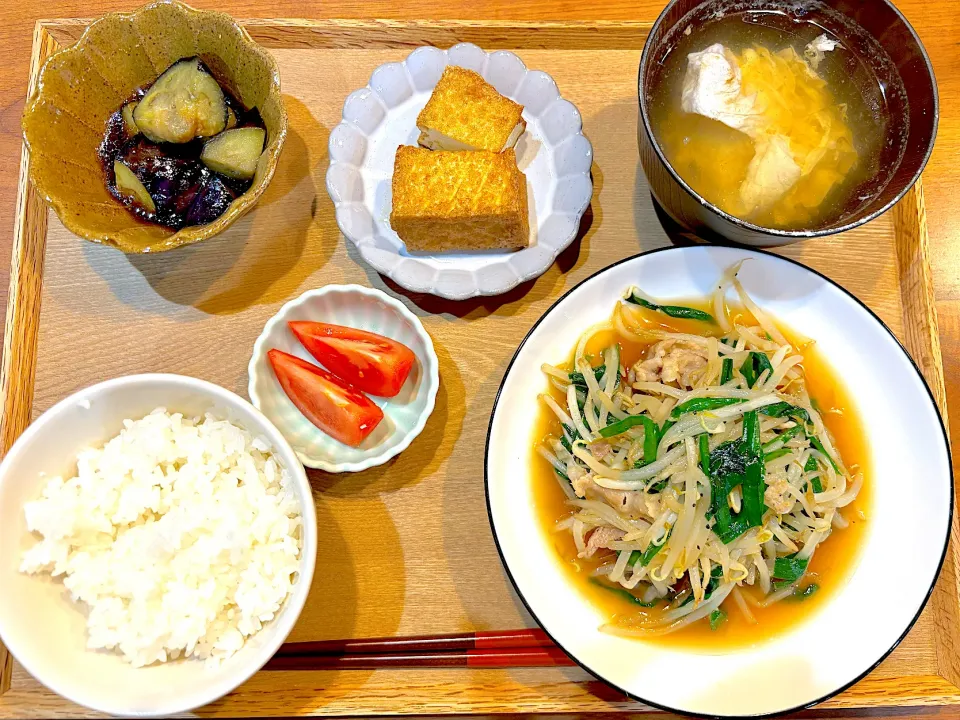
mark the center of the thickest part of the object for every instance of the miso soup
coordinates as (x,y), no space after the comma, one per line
(778,117)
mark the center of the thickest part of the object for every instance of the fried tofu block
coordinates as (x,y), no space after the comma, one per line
(465,112)
(450,201)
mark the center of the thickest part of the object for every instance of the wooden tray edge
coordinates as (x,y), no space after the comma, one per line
(922,340)
(22,321)
(916,282)
(279,33)
(17,373)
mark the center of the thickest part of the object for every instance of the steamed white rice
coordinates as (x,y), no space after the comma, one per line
(181,535)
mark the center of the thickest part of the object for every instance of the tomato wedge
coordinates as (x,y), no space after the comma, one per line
(341,411)
(373,363)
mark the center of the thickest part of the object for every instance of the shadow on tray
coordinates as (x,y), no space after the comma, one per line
(494,304)
(358,590)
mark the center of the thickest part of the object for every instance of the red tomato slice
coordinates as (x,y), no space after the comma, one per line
(370,362)
(341,411)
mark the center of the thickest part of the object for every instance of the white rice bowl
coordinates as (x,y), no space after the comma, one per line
(181,536)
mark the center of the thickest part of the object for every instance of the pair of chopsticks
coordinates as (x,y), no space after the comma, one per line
(491,649)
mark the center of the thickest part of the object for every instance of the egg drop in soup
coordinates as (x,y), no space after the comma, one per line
(780,120)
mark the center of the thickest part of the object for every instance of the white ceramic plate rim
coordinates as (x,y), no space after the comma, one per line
(430,364)
(294,603)
(405,270)
(735,254)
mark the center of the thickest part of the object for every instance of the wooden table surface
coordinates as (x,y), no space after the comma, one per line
(936,21)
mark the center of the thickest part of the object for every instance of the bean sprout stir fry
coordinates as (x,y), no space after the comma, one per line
(702,468)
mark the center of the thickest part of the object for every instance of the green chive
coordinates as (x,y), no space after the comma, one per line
(716,618)
(621,426)
(776,454)
(577,379)
(726,371)
(763,363)
(667,424)
(785,409)
(749,371)
(811,466)
(651,440)
(647,556)
(751,432)
(754,366)
(658,486)
(736,528)
(732,464)
(573,435)
(702,404)
(789,569)
(753,483)
(783,437)
(815,441)
(704,443)
(676,311)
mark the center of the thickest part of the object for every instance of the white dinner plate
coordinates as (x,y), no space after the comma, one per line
(553,154)
(909,515)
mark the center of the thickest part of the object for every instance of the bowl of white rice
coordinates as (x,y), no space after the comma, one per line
(157,543)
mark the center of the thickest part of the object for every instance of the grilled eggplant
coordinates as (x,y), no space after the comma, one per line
(130,187)
(235,153)
(211,202)
(186,102)
(129,124)
(179,151)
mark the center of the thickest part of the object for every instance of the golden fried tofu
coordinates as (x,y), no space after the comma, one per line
(465,112)
(448,201)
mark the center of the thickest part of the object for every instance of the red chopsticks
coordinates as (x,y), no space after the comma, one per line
(516,657)
(481,640)
(490,649)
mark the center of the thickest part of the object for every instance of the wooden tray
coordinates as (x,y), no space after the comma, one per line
(406,548)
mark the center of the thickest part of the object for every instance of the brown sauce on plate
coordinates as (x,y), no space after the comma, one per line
(831,564)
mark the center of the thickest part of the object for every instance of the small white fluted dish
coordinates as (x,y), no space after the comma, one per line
(404,415)
(553,153)
(40,625)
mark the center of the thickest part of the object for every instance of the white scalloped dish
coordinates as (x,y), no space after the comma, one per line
(404,415)
(553,153)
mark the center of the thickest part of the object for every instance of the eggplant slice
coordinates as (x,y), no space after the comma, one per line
(186,102)
(235,153)
(130,187)
(212,201)
(129,124)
